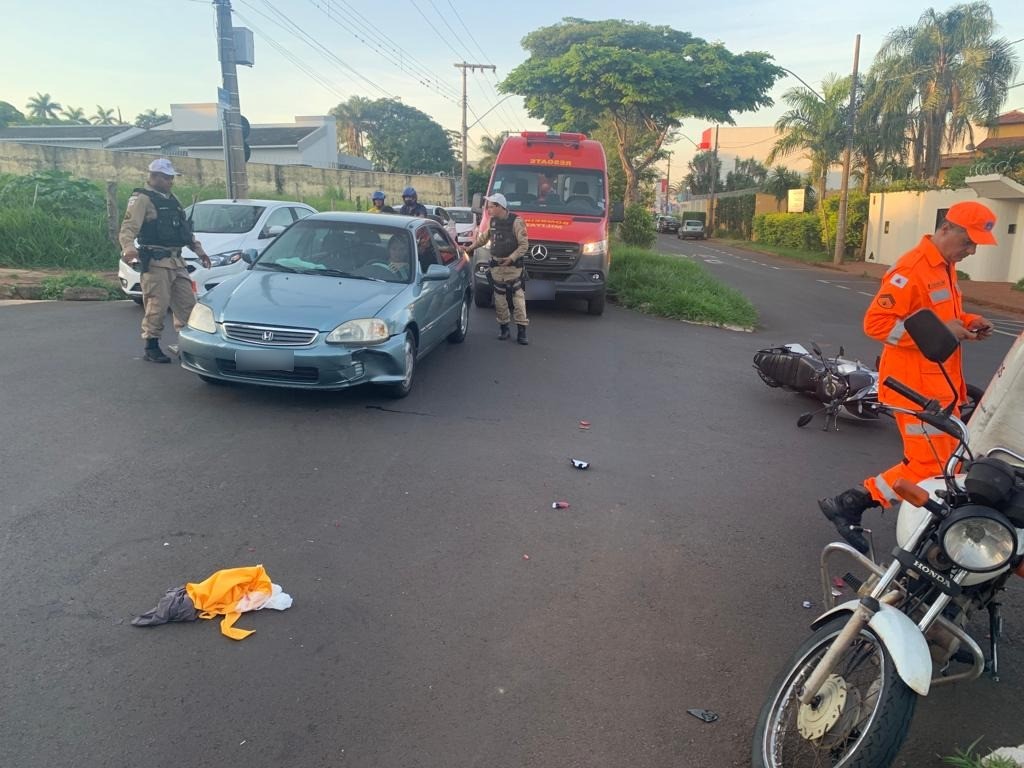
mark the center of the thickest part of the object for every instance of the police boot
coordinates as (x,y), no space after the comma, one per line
(153,352)
(503,333)
(845,511)
(521,336)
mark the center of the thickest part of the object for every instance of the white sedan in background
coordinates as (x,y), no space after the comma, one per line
(226,228)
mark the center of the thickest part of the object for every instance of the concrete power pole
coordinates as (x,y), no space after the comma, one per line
(714,180)
(234,153)
(844,189)
(465,131)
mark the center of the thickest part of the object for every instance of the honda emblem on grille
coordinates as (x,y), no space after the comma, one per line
(539,252)
(268,336)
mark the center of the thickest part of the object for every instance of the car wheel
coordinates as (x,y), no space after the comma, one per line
(462,328)
(483,298)
(404,387)
(595,306)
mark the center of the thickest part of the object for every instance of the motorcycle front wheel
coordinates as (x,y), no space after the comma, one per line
(858,720)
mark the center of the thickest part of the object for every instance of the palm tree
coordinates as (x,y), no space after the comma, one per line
(880,136)
(151,117)
(780,180)
(353,118)
(945,72)
(74,115)
(814,125)
(103,116)
(42,107)
(489,147)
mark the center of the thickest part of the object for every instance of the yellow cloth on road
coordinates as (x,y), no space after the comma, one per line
(220,594)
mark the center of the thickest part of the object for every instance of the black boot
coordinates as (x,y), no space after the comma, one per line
(521,336)
(503,333)
(845,511)
(153,352)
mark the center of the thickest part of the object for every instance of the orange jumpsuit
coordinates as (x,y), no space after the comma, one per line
(920,279)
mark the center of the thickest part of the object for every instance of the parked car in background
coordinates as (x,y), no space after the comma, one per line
(691,228)
(226,228)
(666,223)
(442,217)
(465,224)
(338,300)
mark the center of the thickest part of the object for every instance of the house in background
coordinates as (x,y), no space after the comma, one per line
(74,136)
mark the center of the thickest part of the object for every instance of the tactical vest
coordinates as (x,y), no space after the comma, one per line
(170,228)
(503,236)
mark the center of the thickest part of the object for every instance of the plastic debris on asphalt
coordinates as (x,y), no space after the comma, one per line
(704,714)
(580,463)
(526,557)
(560,505)
(808,604)
(837,592)
(584,425)
(837,582)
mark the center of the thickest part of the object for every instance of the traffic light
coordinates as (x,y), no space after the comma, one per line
(246,149)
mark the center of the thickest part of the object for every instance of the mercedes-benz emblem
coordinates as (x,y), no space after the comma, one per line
(268,336)
(539,252)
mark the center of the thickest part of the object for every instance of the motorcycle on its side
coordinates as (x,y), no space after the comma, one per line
(847,696)
(844,387)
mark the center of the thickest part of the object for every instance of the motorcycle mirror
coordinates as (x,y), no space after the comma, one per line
(936,342)
(805,419)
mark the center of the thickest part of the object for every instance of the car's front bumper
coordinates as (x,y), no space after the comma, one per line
(130,280)
(317,366)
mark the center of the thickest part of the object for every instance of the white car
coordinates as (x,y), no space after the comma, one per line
(465,224)
(226,228)
(443,216)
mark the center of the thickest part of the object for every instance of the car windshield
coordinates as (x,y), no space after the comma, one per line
(551,190)
(224,218)
(691,223)
(462,217)
(342,249)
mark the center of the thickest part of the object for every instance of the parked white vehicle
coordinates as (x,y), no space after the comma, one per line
(444,218)
(465,224)
(226,228)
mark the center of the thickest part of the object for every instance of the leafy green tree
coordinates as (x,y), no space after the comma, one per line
(745,174)
(10,114)
(151,118)
(944,73)
(778,183)
(637,226)
(352,117)
(704,166)
(42,108)
(880,138)
(489,147)
(642,79)
(74,115)
(402,139)
(103,116)
(617,181)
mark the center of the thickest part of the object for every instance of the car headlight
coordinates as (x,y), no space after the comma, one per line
(223,259)
(596,248)
(201,319)
(368,331)
(978,539)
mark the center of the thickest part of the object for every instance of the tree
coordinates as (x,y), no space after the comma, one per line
(41,107)
(943,73)
(104,116)
(10,114)
(642,79)
(745,174)
(814,125)
(151,118)
(489,146)
(704,166)
(402,139)
(780,180)
(74,115)
(880,138)
(352,116)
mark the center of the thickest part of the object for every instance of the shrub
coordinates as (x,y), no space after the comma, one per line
(856,216)
(961,275)
(52,191)
(32,238)
(53,287)
(638,227)
(734,214)
(793,230)
(1019,285)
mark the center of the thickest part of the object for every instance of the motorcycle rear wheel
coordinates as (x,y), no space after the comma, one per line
(862,717)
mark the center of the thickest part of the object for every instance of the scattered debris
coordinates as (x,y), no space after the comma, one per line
(808,604)
(580,463)
(526,557)
(560,505)
(838,583)
(584,424)
(704,714)
(837,592)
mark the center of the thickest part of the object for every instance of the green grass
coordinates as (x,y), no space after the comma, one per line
(31,238)
(969,759)
(799,254)
(668,286)
(53,287)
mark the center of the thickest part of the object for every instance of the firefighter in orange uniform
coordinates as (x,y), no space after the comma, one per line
(924,277)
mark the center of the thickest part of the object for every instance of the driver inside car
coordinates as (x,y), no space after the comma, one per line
(398,255)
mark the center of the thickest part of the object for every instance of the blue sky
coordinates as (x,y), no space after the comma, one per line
(150,53)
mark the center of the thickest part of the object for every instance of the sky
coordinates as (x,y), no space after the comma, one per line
(313,54)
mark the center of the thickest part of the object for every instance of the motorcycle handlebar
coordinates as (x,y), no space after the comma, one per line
(898,386)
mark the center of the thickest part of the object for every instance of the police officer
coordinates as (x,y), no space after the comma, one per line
(155,219)
(923,278)
(377,201)
(411,205)
(509,244)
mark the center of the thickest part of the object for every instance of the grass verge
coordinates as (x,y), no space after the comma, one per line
(53,287)
(668,286)
(799,254)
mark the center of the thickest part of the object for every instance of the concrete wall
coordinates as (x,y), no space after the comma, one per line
(897,220)
(295,181)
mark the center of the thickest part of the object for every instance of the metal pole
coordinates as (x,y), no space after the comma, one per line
(668,184)
(237,178)
(465,131)
(844,189)
(714,178)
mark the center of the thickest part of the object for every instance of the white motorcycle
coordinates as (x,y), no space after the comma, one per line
(848,695)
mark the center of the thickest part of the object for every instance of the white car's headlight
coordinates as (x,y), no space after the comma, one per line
(201,319)
(223,259)
(978,539)
(596,248)
(368,331)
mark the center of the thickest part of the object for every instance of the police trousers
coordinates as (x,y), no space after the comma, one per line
(163,288)
(506,280)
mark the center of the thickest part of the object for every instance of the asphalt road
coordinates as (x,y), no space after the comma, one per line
(444,614)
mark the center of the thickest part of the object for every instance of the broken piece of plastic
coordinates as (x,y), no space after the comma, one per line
(704,714)
(580,463)
(560,505)
(837,582)
(808,604)
(584,424)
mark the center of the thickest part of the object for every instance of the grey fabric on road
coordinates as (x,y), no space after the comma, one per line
(175,605)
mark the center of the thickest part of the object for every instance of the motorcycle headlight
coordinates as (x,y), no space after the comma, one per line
(223,259)
(368,331)
(978,539)
(201,319)
(596,248)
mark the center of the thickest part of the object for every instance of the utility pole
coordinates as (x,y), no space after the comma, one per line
(668,185)
(234,154)
(714,179)
(844,189)
(465,131)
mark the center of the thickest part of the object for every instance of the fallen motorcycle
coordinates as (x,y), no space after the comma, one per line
(844,386)
(847,696)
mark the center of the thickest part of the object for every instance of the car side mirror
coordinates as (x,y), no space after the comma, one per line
(249,255)
(936,342)
(478,204)
(437,272)
(617,213)
(273,231)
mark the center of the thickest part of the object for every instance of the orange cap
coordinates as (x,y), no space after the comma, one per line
(978,220)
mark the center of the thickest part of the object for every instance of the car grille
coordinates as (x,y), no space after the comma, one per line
(306,374)
(270,335)
(561,257)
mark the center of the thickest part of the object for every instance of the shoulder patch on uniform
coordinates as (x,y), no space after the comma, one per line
(886,301)
(898,280)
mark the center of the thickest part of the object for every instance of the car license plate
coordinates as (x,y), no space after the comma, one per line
(265,360)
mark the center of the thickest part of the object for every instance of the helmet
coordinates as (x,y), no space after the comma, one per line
(408,192)
(378,195)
